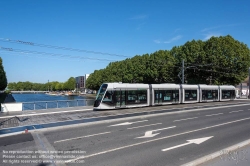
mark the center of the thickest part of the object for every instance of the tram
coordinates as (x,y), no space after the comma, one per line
(129,95)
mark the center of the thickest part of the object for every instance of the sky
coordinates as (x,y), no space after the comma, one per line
(52,40)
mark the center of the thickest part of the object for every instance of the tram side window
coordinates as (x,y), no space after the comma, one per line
(136,96)
(225,94)
(132,96)
(209,94)
(228,94)
(167,95)
(108,98)
(142,96)
(190,95)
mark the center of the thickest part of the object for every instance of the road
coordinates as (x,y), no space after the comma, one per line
(164,139)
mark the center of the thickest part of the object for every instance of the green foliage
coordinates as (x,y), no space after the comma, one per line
(2,97)
(3,79)
(219,60)
(50,86)
(70,84)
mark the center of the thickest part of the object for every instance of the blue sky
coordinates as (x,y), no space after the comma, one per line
(128,28)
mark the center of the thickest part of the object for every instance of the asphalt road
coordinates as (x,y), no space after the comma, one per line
(163,139)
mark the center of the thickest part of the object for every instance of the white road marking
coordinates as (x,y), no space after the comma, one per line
(81,137)
(184,119)
(192,141)
(127,123)
(215,114)
(150,133)
(143,126)
(157,139)
(235,111)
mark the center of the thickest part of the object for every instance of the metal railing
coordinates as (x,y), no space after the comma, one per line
(38,105)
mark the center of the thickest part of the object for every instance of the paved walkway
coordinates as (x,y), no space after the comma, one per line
(237,157)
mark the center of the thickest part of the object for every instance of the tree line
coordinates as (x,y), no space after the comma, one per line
(219,61)
(3,78)
(50,86)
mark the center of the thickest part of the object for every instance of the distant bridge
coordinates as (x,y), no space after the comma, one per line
(29,92)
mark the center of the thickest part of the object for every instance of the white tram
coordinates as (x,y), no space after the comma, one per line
(126,95)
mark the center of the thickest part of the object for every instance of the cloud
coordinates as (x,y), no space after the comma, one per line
(157,41)
(138,17)
(219,26)
(210,28)
(209,35)
(173,39)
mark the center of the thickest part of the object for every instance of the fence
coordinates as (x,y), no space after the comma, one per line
(38,105)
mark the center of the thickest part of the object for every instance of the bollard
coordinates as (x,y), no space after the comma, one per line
(26,131)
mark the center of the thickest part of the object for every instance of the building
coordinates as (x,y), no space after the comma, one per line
(81,82)
(243,88)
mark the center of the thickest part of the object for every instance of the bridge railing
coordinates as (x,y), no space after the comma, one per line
(39,105)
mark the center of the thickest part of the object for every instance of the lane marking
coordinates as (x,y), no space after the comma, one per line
(215,114)
(157,139)
(149,134)
(192,141)
(184,119)
(235,111)
(81,137)
(127,123)
(164,128)
(143,126)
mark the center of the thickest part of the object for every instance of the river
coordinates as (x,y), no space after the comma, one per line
(44,101)
(44,97)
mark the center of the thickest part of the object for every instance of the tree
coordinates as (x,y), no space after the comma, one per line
(70,84)
(3,79)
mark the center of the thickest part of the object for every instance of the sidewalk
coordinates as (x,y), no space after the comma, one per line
(237,157)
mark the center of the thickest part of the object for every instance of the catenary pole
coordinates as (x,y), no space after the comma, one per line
(248,82)
(182,71)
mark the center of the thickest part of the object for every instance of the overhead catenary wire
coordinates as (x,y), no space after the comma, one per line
(59,47)
(52,54)
(37,56)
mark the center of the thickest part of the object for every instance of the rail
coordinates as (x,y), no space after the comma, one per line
(38,105)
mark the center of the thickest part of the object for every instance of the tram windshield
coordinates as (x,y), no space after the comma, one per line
(101,91)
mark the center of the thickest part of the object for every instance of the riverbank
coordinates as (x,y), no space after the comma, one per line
(90,95)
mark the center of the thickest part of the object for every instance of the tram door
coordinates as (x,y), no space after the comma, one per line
(175,96)
(120,97)
(158,96)
(204,95)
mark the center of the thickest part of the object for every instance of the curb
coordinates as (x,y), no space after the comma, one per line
(217,154)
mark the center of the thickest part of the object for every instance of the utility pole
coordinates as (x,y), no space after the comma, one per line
(182,71)
(248,82)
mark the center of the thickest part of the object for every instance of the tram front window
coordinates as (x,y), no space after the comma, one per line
(101,92)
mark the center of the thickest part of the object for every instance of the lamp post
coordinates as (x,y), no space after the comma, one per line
(248,83)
